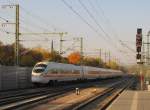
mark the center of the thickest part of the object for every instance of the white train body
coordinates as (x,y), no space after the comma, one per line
(44,72)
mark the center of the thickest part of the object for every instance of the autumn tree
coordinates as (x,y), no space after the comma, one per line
(27,57)
(64,60)
(1,43)
(31,58)
(112,65)
(45,53)
(6,54)
(1,51)
(55,56)
(74,58)
(95,62)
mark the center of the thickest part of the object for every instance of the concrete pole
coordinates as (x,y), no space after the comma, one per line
(17,37)
(100,56)
(61,41)
(141,76)
(148,57)
(81,53)
(52,46)
(105,57)
(109,58)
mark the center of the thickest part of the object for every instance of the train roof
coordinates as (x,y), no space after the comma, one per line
(89,67)
(43,62)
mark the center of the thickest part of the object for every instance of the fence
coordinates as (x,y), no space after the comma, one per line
(12,77)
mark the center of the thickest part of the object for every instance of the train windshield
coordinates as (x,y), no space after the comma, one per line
(41,65)
(39,68)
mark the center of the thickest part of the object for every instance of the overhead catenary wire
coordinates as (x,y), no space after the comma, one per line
(7,32)
(94,19)
(108,22)
(82,18)
(35,17)
(35,40)
(34,25)
(85,21)
(124,45)
(38,18)
(4,19)
(100,27)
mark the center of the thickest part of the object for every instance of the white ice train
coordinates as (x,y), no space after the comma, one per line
(49,72)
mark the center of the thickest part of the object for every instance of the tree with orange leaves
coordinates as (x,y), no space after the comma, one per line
(74,58)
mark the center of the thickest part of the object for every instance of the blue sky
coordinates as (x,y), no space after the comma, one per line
(118,18)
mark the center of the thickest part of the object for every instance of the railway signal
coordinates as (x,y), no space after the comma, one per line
(139,40)
(139,45)
(139,55)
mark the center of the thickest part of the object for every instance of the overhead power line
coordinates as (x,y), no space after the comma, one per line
(94,19)
(100,27)
(7,32)
(82,18)
(34,25)
(108,41)
(85,21)
(4,19)
(38,18)
(124,45)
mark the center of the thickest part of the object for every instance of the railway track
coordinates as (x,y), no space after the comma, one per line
(29,99)
(14,93)
(104,99)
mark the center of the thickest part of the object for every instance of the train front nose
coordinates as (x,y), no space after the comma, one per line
(39,79)
(38,75)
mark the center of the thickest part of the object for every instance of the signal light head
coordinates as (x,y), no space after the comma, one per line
(139,31)
(139,40)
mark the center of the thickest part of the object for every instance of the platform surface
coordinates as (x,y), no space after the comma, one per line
(132,100)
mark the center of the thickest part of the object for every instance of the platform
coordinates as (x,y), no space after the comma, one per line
(132,100)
